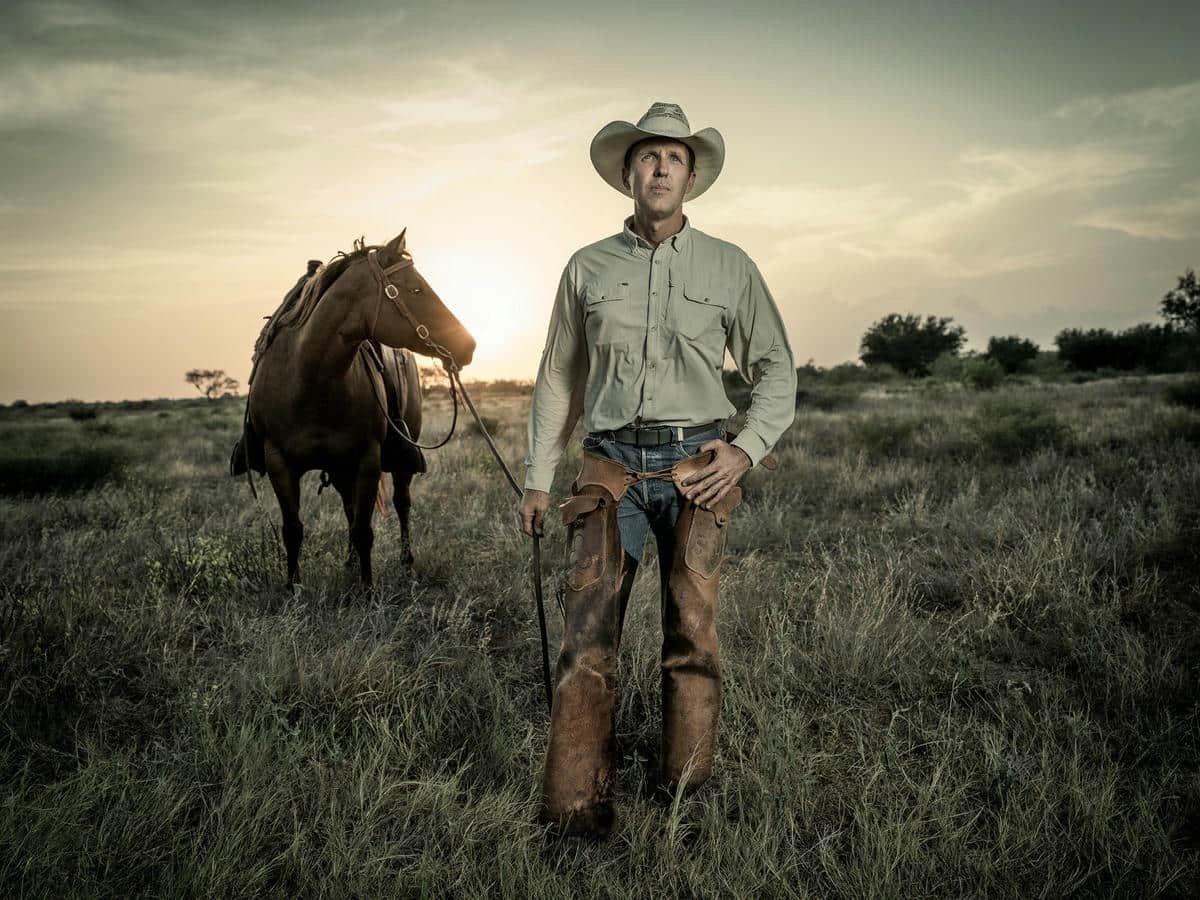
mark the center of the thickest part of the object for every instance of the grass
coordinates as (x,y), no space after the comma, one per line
(960,637)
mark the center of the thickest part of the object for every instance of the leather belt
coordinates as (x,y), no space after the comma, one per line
(655,435)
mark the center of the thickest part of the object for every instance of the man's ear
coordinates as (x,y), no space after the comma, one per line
(396,244)
(691,183)
(625,179)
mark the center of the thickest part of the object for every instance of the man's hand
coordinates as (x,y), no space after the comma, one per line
(712,483)
(532,511)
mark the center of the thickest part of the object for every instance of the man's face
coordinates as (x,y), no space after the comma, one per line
(658,176)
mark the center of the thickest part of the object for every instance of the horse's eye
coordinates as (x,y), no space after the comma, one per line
(416,290)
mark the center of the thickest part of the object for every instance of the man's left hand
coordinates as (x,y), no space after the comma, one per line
(712,483)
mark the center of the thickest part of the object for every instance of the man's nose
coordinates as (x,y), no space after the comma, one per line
(660,167)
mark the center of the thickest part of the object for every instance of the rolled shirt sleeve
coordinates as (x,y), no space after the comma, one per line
(759,346)
(558,390)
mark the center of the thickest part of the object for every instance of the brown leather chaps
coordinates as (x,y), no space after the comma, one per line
(599,576)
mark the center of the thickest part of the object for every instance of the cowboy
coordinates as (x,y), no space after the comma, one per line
(637,338)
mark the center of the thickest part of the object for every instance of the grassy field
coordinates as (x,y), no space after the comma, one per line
(961,637)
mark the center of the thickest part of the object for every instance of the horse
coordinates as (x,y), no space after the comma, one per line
(316,401)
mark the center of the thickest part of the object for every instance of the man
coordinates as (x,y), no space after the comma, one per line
(637,338)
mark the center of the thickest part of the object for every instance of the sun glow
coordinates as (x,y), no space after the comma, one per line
(491,294)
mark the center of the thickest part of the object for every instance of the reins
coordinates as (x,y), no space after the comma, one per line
(389,290)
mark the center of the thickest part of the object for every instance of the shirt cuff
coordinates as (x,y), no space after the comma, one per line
(539,478)
(752,445)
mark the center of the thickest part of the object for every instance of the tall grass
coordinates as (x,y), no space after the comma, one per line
(959,638)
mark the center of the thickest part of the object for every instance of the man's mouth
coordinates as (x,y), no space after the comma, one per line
(659,188)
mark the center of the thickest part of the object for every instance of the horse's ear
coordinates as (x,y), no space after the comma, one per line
(396,244)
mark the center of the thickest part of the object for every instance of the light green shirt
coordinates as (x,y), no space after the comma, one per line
(638,337)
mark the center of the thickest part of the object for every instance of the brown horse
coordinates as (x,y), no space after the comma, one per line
(315,401)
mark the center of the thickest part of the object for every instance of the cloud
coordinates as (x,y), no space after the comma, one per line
(1176,106)
(1175,218)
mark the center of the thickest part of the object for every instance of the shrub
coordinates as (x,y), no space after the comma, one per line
(1186,393)
(82,413)
(1012,353)
(910,344)
(1155,348)
(60,469)
(883,435)
(827,399)
(1009,432)
(982,374)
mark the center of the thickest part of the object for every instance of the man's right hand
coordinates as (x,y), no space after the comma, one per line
(533,511)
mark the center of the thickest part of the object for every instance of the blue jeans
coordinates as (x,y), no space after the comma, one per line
(653,504)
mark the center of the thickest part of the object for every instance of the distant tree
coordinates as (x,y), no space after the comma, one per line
(1181,306)
(909,344)
(212,383)
(1012,353)
(1155,348)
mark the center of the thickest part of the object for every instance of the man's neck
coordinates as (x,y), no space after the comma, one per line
(655,231)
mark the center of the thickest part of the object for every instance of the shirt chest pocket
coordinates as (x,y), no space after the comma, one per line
(698,311)
(607,311)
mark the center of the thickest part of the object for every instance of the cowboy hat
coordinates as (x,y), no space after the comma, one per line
(665,120)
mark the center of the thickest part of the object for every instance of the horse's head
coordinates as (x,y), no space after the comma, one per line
(410,305)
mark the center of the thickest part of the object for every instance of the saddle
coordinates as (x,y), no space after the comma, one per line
(398,455)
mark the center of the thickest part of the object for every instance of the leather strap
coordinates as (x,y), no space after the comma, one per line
(656,435)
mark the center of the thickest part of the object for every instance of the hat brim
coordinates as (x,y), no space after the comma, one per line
(614,139)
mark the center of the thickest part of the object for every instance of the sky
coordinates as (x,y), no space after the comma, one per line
(166,172)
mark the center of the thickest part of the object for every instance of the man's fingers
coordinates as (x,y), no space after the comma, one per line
(712,495)
(539,518)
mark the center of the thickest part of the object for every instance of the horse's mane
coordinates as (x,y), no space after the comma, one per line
(296,308)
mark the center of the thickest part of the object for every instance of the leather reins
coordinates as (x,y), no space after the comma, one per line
(392,293)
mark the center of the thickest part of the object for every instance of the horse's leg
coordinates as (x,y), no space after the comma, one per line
(286,485)
(366,489)
(344,485)
(402,498)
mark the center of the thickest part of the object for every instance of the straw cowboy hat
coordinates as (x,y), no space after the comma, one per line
(661,120)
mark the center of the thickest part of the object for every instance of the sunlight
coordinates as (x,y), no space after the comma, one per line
(492,295)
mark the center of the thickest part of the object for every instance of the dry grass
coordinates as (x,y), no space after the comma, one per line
(960,638)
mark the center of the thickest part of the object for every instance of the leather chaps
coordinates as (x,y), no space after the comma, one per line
(599,576)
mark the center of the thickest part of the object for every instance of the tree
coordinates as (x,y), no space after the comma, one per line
(909,344)
(1182,305)
(1012,353)
(212,383)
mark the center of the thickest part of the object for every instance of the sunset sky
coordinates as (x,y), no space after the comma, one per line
(166,172)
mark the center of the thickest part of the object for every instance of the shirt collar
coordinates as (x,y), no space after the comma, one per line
(677,241)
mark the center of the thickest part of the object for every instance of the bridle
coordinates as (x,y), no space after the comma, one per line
(389,290)
(392,293)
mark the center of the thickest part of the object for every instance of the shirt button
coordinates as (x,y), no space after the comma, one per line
(654,328)
(652,365)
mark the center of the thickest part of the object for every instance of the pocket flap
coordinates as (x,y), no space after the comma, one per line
(600,293)
(578,506)
(698,292)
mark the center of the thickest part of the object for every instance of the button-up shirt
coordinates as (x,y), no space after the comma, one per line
(638,336)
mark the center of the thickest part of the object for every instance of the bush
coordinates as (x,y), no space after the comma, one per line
(60,469)
(827,398)
(883,435)
(82,413)
(1008,432)
(982,374)
(1155,348)
(1186,393)
(1012,353)
(910,344)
